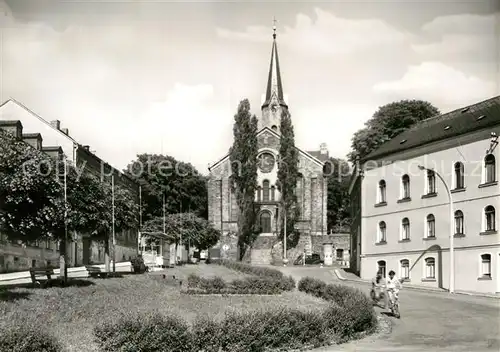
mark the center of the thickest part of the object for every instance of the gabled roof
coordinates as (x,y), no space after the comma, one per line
(267,129)
(318,155)
(80,146)
(452,124)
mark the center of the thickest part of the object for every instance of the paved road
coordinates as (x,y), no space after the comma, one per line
(430,321)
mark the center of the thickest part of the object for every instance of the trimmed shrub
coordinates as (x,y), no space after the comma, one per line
(352,312)
(144,332)
(206,334)
(252,270)
(280,328)
(27,338)
(248,285)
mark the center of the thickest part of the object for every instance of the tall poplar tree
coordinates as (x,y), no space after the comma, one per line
(243,157)
(287,179)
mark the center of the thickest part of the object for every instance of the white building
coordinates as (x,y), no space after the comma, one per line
(403,207)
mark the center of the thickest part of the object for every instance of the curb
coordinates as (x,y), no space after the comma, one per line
(415,288)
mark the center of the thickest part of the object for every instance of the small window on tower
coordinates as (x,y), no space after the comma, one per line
(274,128)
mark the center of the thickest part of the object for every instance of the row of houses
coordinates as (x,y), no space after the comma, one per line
(429,189)
(52,138)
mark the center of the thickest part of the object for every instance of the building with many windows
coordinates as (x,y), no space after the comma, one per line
(403,216)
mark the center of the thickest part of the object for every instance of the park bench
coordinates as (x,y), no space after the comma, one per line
(34,272)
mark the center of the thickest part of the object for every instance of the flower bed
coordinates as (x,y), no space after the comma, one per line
(266,285)
(349,315)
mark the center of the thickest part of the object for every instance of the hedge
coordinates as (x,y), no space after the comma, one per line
(26,338)
(249,269)
(250,285)
(352,311)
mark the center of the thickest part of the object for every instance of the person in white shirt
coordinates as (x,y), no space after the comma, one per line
(393,285)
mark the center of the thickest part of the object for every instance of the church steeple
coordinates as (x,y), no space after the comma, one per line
(274,102)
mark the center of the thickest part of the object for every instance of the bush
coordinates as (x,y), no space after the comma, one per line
(26,338)
(144,332)
(248,285)
(138,265)
(252,270)
(352,312)
(281,328)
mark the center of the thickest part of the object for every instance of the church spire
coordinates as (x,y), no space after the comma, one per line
(274,91)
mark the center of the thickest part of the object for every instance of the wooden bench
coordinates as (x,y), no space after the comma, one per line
(34,272)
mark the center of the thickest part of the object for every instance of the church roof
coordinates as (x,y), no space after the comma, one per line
(318,155)
(455,123)
(274,91)
(267,129)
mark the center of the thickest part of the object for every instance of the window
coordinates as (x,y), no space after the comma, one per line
(265,222)
(405,180)
(265,191)
(259,194)
(431,182)
(459,175)
(381,192)
(405,229)
(459,222)
(273,191)
(489,217)
(382,231)
(489,168)
(486,265)
(430,268)
(404,269)
(381,267)
(47,244)
(33,263)
(340,254)
(431,226)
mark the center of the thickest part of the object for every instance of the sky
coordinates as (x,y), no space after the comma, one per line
(132,77)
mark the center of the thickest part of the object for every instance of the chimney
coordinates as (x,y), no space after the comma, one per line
(65,131)
(323,149)
(56,124)
(14,127)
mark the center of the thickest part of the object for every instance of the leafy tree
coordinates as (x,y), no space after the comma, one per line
(243,157)
(32,205)
(288,174)
(387,122)
(185,229)
(184,188)
(338,174)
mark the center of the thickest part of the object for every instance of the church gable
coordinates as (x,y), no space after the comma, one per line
(267,139)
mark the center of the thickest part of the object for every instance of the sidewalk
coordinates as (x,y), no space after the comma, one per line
(346,276)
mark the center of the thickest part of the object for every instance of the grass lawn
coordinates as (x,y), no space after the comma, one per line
(70,313)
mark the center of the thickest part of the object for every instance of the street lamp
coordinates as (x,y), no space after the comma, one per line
(452,229)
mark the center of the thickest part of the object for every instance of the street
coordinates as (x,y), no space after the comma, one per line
(429,320)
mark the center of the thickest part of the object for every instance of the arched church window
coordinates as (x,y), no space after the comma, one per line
(273,189)
(259,194)
(274,128)
(265,222)
(265,191)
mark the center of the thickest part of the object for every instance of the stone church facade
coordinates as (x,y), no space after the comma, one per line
(311,188)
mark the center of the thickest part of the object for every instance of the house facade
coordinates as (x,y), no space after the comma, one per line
(402,215)
(53,139)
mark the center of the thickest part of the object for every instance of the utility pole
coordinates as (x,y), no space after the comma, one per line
(65,257)
(113,224)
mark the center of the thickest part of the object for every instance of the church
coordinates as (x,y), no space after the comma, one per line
(311,187)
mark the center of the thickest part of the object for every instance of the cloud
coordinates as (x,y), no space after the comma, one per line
(437,82)
(463,37)
(328,34)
